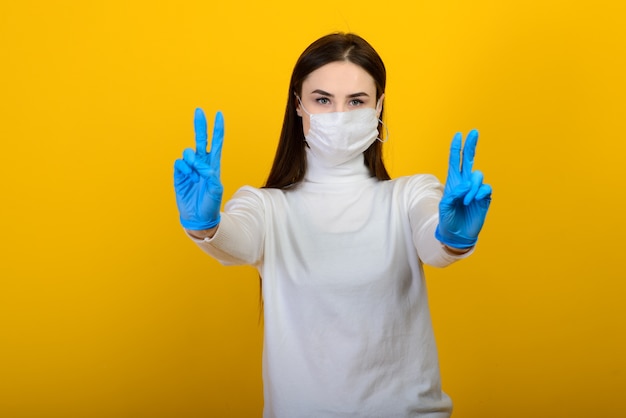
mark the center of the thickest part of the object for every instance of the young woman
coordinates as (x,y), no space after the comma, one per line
(338,244)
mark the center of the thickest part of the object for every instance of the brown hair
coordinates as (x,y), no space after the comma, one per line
(290,161)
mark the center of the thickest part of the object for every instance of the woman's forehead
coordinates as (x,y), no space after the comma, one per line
(339,78)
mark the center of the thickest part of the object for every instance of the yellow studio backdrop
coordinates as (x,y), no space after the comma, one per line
(108,310)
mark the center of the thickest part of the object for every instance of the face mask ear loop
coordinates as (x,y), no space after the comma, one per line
(382,141)
(301,105)
(379,109)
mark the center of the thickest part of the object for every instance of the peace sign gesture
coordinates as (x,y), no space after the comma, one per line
(197,177)
(465,200)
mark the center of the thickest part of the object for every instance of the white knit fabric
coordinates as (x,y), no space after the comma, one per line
(347,325)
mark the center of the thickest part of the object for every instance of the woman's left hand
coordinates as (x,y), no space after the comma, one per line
(465,200)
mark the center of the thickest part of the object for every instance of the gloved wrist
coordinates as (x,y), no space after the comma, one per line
(197,225)
(455,240)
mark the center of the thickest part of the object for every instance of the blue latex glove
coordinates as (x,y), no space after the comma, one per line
(197,177)
(465,200)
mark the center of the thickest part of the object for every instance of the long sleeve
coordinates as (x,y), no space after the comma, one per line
(347,326)
(240,235)
(424,194)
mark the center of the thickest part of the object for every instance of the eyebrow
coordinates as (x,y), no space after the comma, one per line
(325,93)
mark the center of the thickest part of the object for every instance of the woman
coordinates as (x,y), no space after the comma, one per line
(339,246)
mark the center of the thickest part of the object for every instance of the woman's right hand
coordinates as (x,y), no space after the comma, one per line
(197,177)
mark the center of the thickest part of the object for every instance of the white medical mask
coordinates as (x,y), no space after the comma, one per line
(338,137)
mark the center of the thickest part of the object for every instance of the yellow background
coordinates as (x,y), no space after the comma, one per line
(108,310)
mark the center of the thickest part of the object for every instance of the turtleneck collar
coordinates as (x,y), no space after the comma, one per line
(317,171)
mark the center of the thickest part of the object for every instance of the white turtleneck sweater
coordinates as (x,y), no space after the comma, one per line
(347,325)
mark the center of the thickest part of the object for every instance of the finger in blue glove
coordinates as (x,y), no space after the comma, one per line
(465,201)
(197,177)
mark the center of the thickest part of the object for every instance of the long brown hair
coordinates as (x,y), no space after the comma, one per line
(290,161)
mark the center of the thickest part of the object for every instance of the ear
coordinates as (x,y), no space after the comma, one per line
(379,105)
(297,104)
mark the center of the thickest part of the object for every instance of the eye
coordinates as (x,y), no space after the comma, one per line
(323,100)
(356,102)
